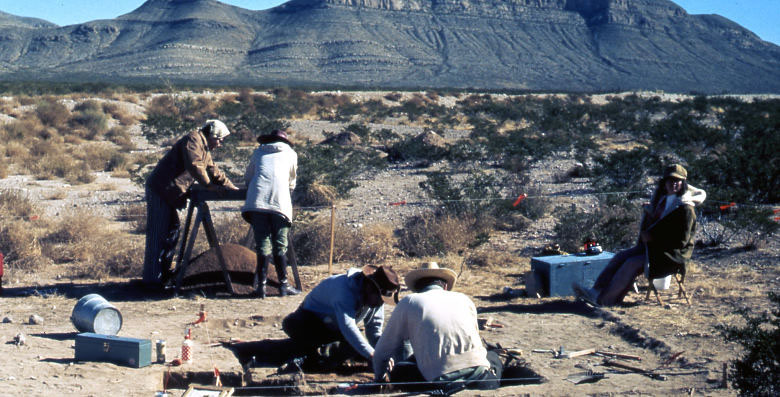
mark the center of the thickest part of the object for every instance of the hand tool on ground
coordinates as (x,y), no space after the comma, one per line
(585,377)
(650,374)
(619,355)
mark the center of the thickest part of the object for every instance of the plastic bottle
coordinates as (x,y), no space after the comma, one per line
(186,347)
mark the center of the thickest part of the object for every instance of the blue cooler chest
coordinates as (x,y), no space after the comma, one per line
(558,272)
(130,352)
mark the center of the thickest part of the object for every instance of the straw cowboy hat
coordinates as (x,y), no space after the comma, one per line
(430,269)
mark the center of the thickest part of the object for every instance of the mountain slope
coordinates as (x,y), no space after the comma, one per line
(569,45)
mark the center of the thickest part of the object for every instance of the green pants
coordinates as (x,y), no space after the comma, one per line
(270,233)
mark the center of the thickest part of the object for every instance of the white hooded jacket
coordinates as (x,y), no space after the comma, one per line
(270,178)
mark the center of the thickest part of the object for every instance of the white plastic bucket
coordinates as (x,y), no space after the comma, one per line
(662,283)
(93,313)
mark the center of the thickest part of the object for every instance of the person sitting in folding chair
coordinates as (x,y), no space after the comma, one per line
(665,244)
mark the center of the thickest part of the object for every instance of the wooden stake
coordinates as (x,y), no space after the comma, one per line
(332,235)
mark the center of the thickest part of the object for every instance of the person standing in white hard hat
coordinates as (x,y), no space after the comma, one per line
(167,188)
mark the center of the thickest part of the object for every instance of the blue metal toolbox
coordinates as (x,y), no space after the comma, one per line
(558,272)
(116,349)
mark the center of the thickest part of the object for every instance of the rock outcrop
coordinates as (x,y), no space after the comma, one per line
(560,45)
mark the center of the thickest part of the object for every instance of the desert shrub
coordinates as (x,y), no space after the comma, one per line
(754,224)
(757,373)
(626,171)
(431,234)
(122,256)
(536,205)
(410,148)
(74,237)
(21,129)
(311,238)
(121,137)
(614,226)
(14,203)
(80,174)
(334,166)
(40,148)
(119,113)
(360,130)
(232,228)
(90,116)
(101,156)
(51,166)
(476,194)
(745,169)
(372,244)
(17,151)
(135,214)
(169,116)
(393,96)
(3,170)
(52,113)
(20,244)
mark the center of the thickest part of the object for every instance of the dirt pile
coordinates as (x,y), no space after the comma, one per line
(204,271)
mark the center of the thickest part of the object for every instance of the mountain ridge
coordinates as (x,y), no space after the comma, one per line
(560,45)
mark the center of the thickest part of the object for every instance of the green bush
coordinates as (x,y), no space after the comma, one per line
(613,226)
(757,373)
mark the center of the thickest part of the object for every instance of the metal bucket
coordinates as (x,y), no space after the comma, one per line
(94,314)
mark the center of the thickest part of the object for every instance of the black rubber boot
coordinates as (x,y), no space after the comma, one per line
(280,262)
(261,275)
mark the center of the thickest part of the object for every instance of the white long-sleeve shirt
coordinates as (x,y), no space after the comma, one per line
(442,329)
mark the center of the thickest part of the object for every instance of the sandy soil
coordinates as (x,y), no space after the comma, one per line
(720,281)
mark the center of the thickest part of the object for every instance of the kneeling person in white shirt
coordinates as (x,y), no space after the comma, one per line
(441,327)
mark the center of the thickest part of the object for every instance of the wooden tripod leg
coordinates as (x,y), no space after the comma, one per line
(292,260)
(651,286)
(681,283)
(189,243)
(211,236)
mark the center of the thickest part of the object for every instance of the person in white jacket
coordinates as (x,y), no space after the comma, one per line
(270,179)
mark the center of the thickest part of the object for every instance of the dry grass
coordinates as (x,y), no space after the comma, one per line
(120,113)
(373,244)
(121,137)
(52,113)
(102,156)
(135,213)
(437,235)
(59,194)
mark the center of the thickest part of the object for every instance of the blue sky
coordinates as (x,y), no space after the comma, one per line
(760,16)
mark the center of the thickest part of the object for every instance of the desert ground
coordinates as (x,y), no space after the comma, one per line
(677,340)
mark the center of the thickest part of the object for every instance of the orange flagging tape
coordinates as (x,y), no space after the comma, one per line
(727,206)
(34,217)
(519,199)
(398,203)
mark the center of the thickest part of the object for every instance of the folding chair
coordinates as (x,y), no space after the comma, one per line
(679,277)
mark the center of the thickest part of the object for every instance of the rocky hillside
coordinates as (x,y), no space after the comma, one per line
(561,45)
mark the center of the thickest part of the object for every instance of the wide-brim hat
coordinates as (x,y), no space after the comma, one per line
(274,136)
(386,281)
(431,269)
(676,171)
